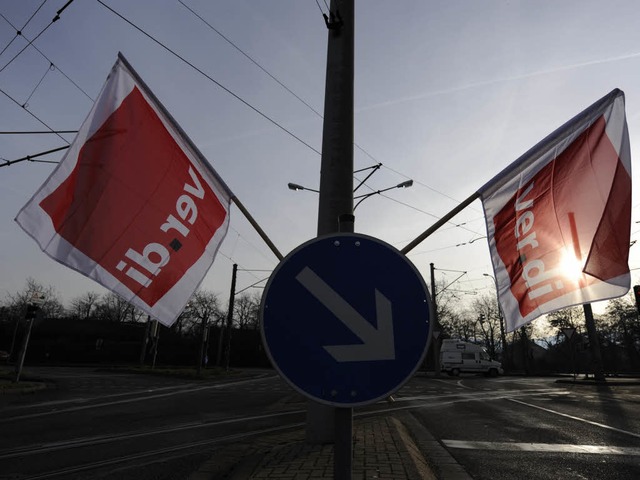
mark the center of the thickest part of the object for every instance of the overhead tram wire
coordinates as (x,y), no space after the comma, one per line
(55,19)
(57,67)
(49,68)
(35,132)
(31,157)
(240,267)
(33,115)
(317,3)
(30,42)
(19,31)
(252,60)
(255,62)
(427,213)
(210,78)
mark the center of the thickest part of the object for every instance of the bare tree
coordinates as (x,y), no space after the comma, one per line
(84,306)
(246,308)
(113,308)
(204,306)
(202,311)
(458,325)
(49,300)
(15,306)
(452,322)
(486,308)
(622,327)
(572,317)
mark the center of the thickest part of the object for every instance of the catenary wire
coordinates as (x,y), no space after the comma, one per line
(55,19)
(19,31)
(32,114)
(209,77)
(427,213)
(35,132)
(49,68)
(319,7)
(57,67)
(251,59)
(31,157)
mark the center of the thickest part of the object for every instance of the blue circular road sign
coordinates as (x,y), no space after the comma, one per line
(346,319)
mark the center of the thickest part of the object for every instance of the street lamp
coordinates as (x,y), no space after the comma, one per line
(470,241)
(295,187)
(405,184)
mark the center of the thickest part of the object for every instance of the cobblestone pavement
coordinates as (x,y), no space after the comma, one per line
(384,448)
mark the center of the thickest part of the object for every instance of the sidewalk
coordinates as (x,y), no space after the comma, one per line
(391,447)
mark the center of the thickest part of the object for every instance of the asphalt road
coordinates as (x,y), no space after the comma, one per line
(106,425)
(535,428)
(103,425)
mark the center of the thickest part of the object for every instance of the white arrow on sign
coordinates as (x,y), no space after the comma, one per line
(377,343)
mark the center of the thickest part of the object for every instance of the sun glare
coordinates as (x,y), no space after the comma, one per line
(570,266)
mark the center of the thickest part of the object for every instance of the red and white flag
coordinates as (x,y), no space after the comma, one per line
(559,218)
(133,204)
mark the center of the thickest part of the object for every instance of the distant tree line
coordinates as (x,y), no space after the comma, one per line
(200,329)
(541,346)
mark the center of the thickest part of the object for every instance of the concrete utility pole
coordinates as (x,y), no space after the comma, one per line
(232,296)
(155,339)
(594,344)
(596,357)
(435,343)
(335,209)
(204,333)
(145,341)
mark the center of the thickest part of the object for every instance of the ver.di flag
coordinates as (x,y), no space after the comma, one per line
(559,218)
(133,204)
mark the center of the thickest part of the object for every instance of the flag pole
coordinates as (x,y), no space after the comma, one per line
(257,227)
(440,223)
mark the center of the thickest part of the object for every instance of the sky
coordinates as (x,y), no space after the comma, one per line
(447,93)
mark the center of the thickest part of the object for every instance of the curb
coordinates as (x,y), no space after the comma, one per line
(421,469)
(28,387)
(437,458)
(593,383)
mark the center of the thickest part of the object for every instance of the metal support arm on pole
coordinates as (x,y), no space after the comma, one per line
(440,223)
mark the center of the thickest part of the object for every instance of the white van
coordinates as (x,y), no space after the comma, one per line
(457,356)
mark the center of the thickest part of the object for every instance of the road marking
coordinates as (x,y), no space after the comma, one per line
(458,384)
(98,440)
(190,447)
(542,447)
(128,400)
(482,395)
(602,425)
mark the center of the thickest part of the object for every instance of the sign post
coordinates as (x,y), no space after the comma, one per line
(34,311)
